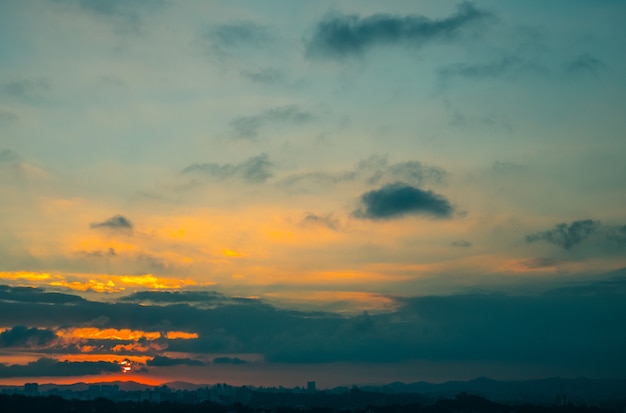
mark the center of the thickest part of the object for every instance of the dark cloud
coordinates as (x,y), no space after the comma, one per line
(344,36)
(21,336)
(542,325)
(228,360)
(584,64)
(248,126)
(398,199)
(36,295)
(496,327)
(462,244)
(116,222)
(51,367)
(577,324)
(614,285)
(163,361)
(326,220)
(267,75)
(256,169)
(170,297)
(567,236)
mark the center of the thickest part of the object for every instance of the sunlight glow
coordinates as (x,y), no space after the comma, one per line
(100,283)
(175,335)
(125,334)
(24,275)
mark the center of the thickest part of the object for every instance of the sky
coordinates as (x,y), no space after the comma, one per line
(273,192)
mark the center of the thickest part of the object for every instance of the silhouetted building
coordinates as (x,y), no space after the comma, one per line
(31,389)
(310,386)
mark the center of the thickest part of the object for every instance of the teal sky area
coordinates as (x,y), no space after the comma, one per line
(410,190)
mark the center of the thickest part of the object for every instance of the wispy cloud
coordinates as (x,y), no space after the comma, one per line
(226,39)
(325,220)
(488,70)
(248,126)
(7,116)
(27,89)
(372,171)
(266,75)
(584,63)
(116,222)
(578,233)
(256,169)
(7,155)
(125,14)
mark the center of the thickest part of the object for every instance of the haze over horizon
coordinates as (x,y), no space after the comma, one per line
(353,192)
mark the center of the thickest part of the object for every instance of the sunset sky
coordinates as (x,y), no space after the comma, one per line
(271,192)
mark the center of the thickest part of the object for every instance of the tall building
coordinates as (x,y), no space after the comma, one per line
(31,389)
(310,386)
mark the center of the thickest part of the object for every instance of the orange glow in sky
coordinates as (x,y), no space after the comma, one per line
(24,275)
(175,335)
(108,334)
(101,283)
(110,358)
(124,334)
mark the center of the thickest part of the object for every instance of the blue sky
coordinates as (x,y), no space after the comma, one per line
(426,162)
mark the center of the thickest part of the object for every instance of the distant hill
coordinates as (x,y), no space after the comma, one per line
(561,390)
(123,385)
(545,390)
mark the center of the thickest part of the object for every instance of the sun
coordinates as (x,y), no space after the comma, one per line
(126,366)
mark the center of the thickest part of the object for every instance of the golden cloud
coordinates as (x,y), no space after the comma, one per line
(25,275)
(100,283)
(176,335)
(124,334)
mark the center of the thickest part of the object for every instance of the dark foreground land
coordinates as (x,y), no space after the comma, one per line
(359,403)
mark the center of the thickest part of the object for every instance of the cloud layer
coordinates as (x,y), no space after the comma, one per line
(539,328)
(217,181)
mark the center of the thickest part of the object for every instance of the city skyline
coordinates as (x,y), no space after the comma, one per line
(275,192)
